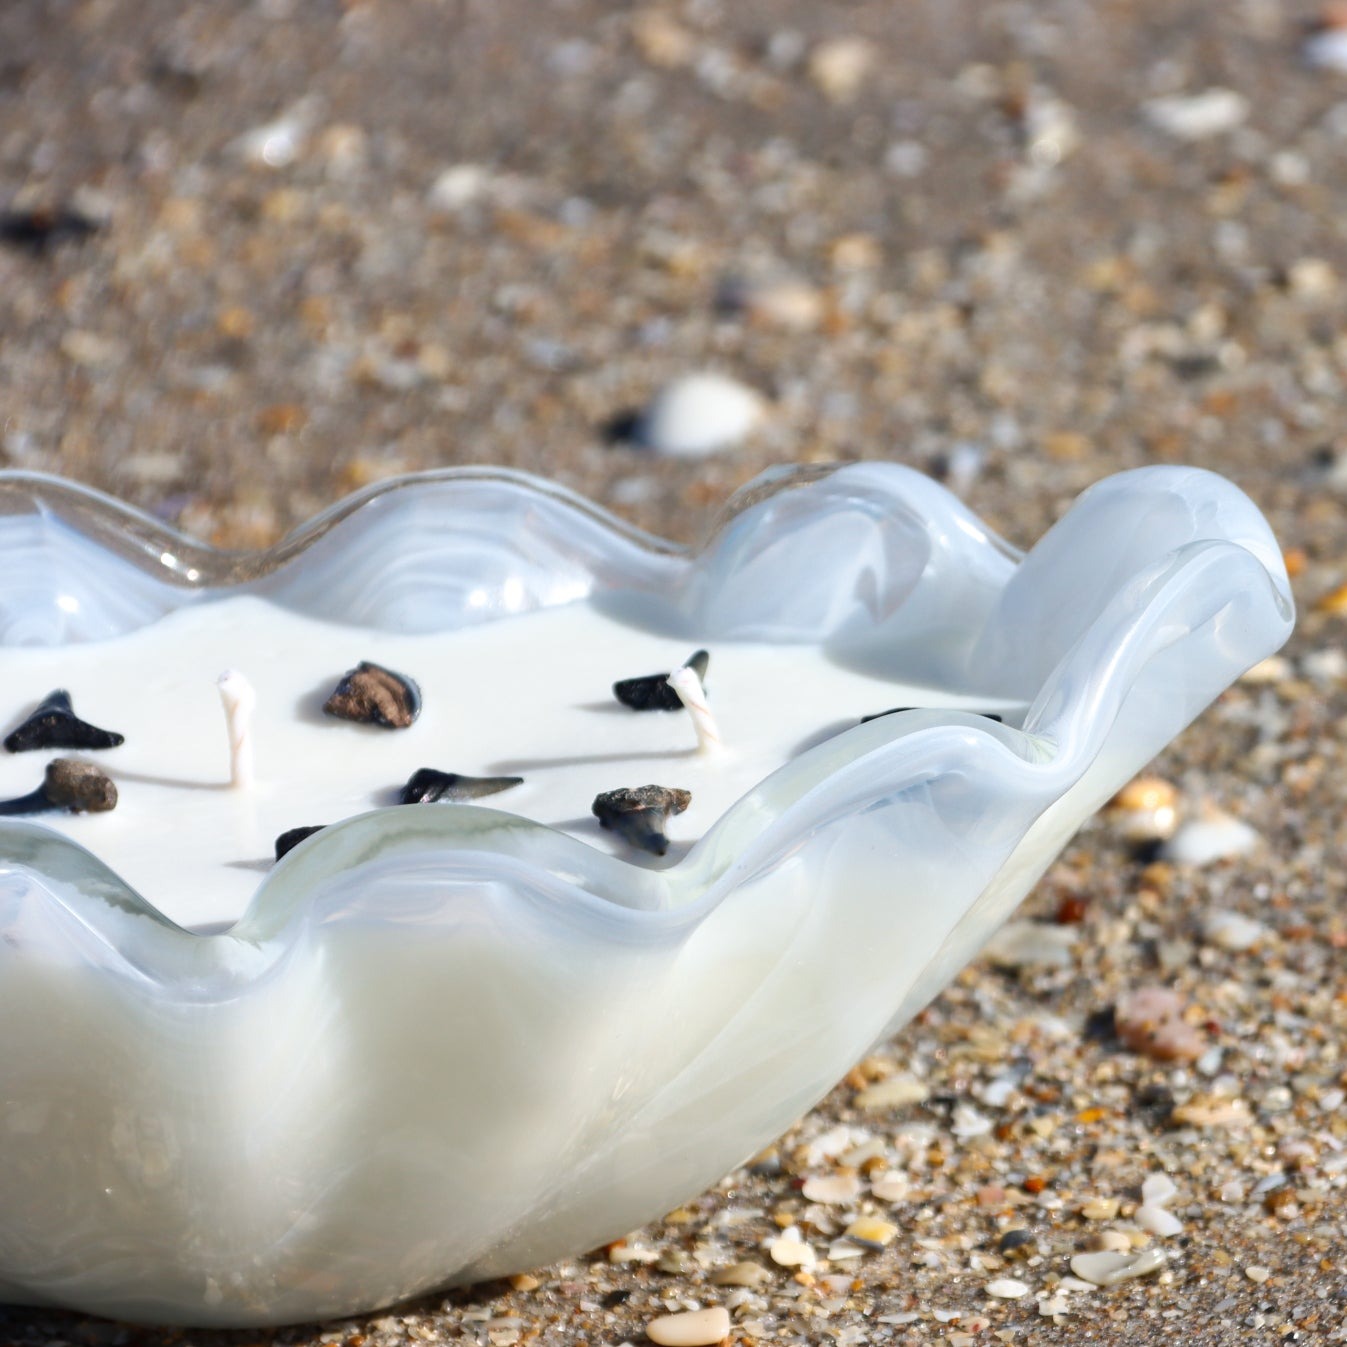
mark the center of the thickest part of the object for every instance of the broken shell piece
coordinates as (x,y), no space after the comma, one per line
(1108,1269)
(690,1328)
(1007,1288)
(1232,931)
(1214,836)
(699,414)
(374,695)
(54,724)
(740,1274)
(288,841)
(78,787)
(832,1189)
(638,814)
(652,692)
(1157,1221)
(426,786)
(871,1233)
(1158,1190)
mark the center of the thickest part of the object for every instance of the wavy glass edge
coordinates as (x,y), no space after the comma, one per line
(712,960)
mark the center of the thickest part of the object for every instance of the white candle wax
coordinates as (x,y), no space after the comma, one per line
(525,696)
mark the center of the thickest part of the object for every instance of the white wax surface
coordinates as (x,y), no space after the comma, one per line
(526,696)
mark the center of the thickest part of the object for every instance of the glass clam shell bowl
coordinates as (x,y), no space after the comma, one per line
(447,1044)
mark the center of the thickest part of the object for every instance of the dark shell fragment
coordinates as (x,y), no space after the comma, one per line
(374,695)
(289,840)
(894,710)
(78,787)
(426,786)
(638,814)
(652,692)
(54,724)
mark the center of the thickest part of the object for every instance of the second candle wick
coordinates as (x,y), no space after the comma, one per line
(238,697)
(690,692)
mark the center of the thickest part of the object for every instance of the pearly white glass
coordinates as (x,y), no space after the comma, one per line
(445,1043)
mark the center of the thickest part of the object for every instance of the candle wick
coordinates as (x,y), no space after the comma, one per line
(238,698)
(690,692)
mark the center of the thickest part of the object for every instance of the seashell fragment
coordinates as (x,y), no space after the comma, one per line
(692,1328)
(1214,836)
(699,414)
(1108,1269)
(893,1093)
(78,787)
(1157,1221)
(638,814)
(1197,116)
(651,692)
(1158,1190)
(832,1189)
(374,695)
(789,1250)
(871,1233)
(1232,930)
(54,724)
(1007,1288)
(838,67)
(740,1274)
(426,786)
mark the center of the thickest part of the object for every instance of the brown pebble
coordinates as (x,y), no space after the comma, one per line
(374,695)
(79,787)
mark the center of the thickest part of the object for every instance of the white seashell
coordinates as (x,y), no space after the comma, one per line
(1158,1190)
(1274,669)
(832,1189)
(693,1328)
(923,842)
(699,414)
(1031,944)
(1232,931)
(1326,49)
(968,1123)
(838,67)
(1007,1288)
(1108,1269)
(789,1250)
(892,1093)
(890,1188)
(1197,116)
(1324,666)
(278,143)
(1157,1221)
(458,186)
(1214,837)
